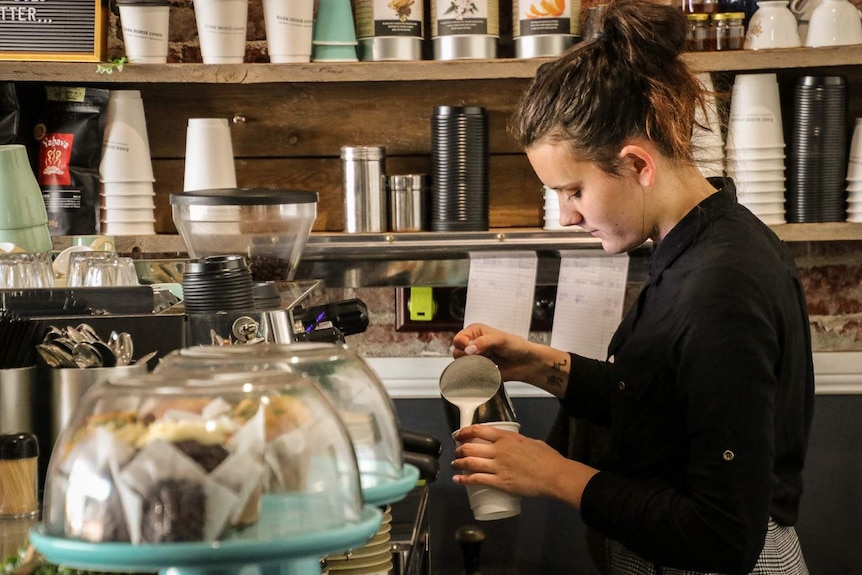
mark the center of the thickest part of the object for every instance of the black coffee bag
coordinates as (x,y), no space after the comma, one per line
(67,126)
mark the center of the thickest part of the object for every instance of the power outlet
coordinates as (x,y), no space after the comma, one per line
(450,303)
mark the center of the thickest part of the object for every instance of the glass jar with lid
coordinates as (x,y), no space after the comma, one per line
(700,37)
(729,30)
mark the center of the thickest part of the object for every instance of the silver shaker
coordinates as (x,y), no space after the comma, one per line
(407,200)
(365,198)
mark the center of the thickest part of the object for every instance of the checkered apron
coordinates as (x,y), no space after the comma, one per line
(781,555)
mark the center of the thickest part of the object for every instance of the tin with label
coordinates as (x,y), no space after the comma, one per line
(465,29)
(544,27)
(389,29)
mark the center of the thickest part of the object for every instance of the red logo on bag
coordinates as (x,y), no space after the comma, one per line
(55,153)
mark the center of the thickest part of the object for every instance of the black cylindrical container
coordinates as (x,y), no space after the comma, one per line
(459,163)
(218,283)
(817,151)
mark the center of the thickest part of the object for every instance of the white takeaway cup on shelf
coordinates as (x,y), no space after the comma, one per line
(129,228)
(755,113)
(128,215)
(289,25)
(145,25)
(111,189)
(139,202)
(125,145)
(209,162)
(222,28)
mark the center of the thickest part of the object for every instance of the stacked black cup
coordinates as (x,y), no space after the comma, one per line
(459,163)
(817,159)
(218,284)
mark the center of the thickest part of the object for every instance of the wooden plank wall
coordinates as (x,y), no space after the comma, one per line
(291,136)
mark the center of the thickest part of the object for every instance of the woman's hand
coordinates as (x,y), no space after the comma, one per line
(517,464)
(517,358)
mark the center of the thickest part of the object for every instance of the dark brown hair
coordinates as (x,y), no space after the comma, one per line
(627,82)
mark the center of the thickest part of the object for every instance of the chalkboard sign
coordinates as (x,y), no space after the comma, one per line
(60,30)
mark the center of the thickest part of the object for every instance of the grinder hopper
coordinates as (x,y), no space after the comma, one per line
(268,226)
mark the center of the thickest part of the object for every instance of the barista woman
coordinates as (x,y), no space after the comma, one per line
(707,392)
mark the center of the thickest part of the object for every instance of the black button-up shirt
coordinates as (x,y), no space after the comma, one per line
(708,395)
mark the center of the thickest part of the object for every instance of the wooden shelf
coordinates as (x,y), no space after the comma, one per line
(426,70)
(832,232)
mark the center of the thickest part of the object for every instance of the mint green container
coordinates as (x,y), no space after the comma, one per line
(23,218)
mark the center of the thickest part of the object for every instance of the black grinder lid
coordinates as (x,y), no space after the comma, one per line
(243,197)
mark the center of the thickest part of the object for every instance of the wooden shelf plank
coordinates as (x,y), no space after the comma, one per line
(827,232)
(426,70)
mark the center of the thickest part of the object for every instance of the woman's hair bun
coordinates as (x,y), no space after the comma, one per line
(643,32)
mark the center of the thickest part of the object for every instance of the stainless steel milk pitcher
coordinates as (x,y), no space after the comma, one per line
(474,379)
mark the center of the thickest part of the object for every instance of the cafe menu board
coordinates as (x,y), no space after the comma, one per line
(53,30)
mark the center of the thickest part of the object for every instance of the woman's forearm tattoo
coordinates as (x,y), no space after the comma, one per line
(555,380)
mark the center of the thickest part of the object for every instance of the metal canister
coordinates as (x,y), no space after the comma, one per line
(365,202)
(389,29)
(459,164)
(544,27)
(465,29)
(407,201)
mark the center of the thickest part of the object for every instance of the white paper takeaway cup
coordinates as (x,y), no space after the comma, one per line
(289,25)
(488,503)
(125,147)
(146,202)
(145,25)
(222,30)
(129,228)
(755,113)
(113,189)
(334,25)
(209,155)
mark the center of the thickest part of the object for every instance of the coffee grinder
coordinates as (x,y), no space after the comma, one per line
(238,288)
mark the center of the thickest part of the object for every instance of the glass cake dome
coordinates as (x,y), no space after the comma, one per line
(346,379)
(207,472)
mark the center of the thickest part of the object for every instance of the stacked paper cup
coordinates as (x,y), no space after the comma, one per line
(334,33)
(755,148)
(209,162)
(854,176)
(126,170)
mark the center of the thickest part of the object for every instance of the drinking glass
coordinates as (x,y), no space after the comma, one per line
(80,262)
(25,270)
